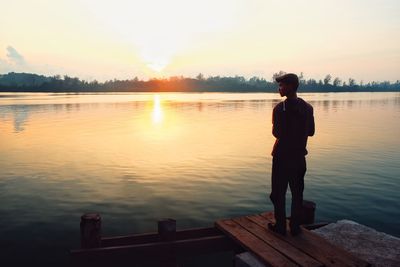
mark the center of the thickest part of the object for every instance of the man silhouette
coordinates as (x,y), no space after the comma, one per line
(293,122)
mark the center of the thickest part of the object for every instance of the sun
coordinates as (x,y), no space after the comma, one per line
(157,65)
(155,55)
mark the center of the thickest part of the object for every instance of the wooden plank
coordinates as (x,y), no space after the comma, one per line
(265,252)
(111,256)
(345,256)
(154,237)
(291,252)
(314,245)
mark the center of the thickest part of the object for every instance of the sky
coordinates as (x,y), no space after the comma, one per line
(96,39)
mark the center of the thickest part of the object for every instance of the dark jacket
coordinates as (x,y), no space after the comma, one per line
(293,122)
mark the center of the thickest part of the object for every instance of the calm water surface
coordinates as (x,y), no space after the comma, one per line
(135,158)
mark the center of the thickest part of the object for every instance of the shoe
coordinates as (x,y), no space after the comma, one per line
(295,230)
(276,229)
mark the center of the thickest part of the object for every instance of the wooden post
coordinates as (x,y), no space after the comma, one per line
(90,230)
(167,229)
(308,212)
(167,232)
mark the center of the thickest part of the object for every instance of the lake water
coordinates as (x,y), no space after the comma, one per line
(135,158)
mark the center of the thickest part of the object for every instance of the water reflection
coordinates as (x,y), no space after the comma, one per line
(193,157)
(24,105)
(157,114)
(18,114)
(21,114)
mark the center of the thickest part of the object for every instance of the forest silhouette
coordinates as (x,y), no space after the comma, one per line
(29,82)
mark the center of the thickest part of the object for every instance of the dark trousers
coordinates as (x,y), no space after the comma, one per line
(287,170)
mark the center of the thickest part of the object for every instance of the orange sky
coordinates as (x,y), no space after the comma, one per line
(123,39)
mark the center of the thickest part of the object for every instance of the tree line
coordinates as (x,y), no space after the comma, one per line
(28,82)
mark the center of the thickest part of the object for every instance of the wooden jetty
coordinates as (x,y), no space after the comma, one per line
(247,233)
(305,249)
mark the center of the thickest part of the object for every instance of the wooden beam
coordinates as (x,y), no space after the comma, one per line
(154,237)
(109,256)
(113,241)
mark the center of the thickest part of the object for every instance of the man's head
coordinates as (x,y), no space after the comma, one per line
(288,84)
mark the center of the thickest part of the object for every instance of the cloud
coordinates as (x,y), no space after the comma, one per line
(14,61)
(4,66)
(15,57)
